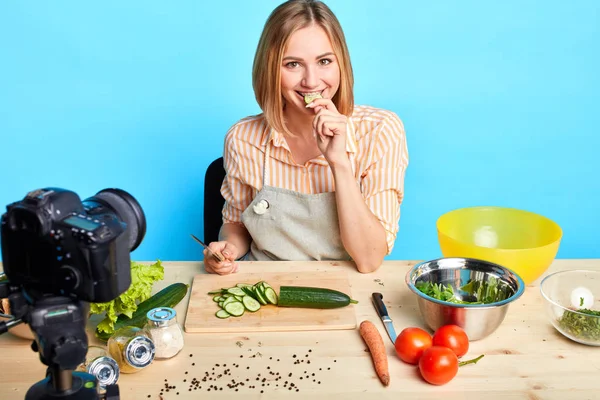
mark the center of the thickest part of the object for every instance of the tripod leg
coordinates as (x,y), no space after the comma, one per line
(112,392)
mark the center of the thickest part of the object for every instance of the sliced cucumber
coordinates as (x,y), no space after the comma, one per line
(271,295)
(250,304)
(229,300)
(234,301)
(249,292)
(222,314)
(265,284)
(235,291)
(243,285)
(235,308)
(261,296)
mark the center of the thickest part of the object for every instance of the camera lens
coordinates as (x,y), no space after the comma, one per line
(129,211)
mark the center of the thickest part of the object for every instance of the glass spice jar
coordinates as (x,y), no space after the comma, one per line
(99,364)
(165,332)
(131,348)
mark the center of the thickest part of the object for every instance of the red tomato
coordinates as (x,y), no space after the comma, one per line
(411,343)
(438,365)
(452,337)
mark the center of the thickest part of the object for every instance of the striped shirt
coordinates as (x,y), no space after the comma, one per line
(375,141)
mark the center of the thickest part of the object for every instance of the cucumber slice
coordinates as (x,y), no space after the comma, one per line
(239,298)
(271,295)
(261,296)
(222,314)
(265,285)
(229,300)
(249,292)
(217,299)
(215,292)
(221,303)
(235,291)
(243,285)
(250,304)
(235,308)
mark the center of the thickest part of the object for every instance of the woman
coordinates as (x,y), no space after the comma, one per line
(316,181)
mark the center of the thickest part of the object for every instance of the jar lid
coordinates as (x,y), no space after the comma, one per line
(105,369)
(161,316)
(140,351)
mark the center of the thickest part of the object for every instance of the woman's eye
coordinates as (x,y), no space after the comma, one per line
(325,61)
(292,64)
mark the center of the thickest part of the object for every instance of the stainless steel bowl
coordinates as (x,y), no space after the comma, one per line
(478,320)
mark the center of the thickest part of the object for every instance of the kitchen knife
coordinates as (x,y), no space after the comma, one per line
(217,256)
(383,314)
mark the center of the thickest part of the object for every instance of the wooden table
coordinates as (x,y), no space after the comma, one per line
(526,358)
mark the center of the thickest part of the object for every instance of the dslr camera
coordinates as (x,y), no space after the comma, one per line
(59,254)
(55,244)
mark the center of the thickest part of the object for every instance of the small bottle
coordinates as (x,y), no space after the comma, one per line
(132,349)
(165,332)
(101,365)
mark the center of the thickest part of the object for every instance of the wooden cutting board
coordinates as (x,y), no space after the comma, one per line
(201,310)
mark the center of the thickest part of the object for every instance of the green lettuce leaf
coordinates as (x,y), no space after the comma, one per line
(143,278)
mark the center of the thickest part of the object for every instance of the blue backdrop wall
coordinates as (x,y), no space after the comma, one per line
(500,101)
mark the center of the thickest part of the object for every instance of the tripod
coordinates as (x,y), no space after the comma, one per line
(58,324)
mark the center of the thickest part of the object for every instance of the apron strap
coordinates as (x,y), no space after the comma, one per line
(266,163)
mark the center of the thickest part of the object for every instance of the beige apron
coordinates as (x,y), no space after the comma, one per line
(288,225)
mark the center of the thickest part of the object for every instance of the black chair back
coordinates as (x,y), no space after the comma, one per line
(213,200)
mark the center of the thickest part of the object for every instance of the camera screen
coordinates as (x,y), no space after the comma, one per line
(81,223)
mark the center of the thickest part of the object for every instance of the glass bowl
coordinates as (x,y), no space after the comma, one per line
(568,297)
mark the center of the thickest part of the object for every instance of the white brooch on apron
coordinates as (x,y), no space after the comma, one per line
(261,207)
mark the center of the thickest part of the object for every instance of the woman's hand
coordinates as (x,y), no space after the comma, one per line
(225,267)
(329,127)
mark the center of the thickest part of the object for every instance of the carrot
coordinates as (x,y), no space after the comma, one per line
(372,338)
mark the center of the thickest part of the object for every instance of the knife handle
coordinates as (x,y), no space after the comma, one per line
(379,306)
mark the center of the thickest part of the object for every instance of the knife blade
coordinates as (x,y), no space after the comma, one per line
(216,256)
(383,314)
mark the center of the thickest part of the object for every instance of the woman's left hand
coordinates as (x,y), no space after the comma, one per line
(329,127)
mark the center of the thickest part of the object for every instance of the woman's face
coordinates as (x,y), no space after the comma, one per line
(309,66)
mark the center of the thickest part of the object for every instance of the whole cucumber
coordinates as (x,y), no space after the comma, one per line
(168,297)
(312,297)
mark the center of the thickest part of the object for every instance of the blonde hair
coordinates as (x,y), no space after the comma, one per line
(286,19)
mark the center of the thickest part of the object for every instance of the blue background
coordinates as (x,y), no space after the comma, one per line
(500,101)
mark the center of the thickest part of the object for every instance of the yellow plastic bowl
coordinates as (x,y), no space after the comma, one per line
(519,240)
